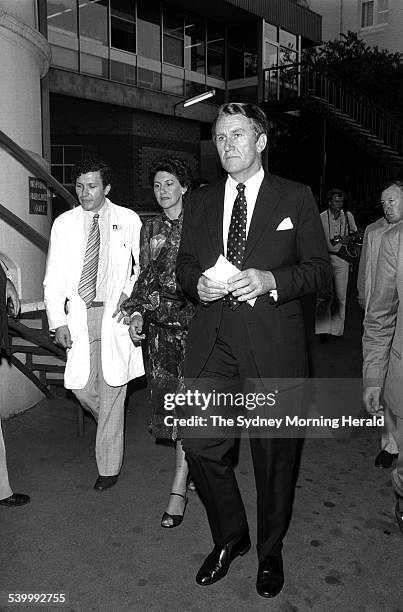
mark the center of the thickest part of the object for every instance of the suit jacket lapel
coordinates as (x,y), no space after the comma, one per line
(214,213)
(267,201)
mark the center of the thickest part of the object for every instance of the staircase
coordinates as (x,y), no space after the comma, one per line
(294,86)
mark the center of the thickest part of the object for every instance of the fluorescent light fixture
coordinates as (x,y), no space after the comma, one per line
(203,96)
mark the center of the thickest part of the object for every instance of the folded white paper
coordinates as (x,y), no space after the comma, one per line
(222,271)
(285,225)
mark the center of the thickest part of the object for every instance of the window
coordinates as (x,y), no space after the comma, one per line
(242,61)
(94,48)
(367,14)
(173,36)
(383,11)
(195,44)
(215,50)
(63,158)
(149,29)
(123,25)
(62,33)
(374,12)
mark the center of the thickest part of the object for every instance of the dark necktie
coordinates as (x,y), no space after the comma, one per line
(237,237)
(88,282)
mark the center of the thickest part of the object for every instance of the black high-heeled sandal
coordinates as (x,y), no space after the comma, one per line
(399,513)
(169,521)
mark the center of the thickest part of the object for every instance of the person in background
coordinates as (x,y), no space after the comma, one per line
(392,205)
(8,293)
(158,304)
(338,226)
(382,345)
(89,273)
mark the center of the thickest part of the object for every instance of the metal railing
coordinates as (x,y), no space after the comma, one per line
(303,80)
(25,159)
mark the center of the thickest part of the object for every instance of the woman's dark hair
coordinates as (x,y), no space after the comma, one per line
(174,166)
(92,165)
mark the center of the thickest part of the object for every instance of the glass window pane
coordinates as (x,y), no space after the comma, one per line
(56,154)
(57,173)
(172,84)
(173,51)
(194,89)
(288,40)
(93,18)
(367,14)
(271,32)
(149,29)
(215,64)
(123,67)
(123,25)
(148,78)
(195,50)
(215,36)
(173,22)
(72,154)
(235,64)
(62,33)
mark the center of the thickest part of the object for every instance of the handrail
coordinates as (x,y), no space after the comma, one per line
(23,228)
(33,166)
(306,80)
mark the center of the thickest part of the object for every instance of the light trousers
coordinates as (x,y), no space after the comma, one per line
(105,403)
(332,321)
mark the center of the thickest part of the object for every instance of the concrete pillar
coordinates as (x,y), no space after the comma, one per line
(25,58)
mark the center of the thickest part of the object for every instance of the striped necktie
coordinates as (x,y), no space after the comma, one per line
(237,238)
(88,281)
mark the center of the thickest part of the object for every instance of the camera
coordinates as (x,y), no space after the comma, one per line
(335,240)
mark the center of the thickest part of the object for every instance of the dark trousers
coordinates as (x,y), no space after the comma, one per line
(275,460)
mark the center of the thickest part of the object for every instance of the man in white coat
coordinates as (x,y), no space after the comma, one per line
(89,273)
(392,205)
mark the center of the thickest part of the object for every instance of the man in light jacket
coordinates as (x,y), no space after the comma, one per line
(89,272)
(392,205)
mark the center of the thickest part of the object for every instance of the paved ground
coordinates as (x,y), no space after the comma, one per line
(107,552)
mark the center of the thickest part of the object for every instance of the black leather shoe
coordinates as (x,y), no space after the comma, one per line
(217,563)
(270,576)
(384,459)
(16,499)
(105,482)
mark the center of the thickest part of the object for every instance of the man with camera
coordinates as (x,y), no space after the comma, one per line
(340,232)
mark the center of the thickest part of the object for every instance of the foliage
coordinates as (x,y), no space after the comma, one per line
(376,72)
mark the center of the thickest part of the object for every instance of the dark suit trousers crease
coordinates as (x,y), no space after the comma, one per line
(275,460)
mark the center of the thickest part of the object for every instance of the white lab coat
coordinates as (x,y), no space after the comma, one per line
(121,360)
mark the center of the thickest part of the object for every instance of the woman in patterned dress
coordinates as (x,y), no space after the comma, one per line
(158,307)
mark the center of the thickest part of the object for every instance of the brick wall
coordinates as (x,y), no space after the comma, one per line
(129,140)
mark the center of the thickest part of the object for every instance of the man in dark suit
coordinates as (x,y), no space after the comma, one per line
(270,229)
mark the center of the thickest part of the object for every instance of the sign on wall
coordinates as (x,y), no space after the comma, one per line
(39,196)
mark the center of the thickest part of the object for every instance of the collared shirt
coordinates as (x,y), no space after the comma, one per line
(252,186)
(104,229)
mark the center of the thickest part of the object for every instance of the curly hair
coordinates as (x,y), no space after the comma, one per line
(92,165)
(250,111)
(175,166)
